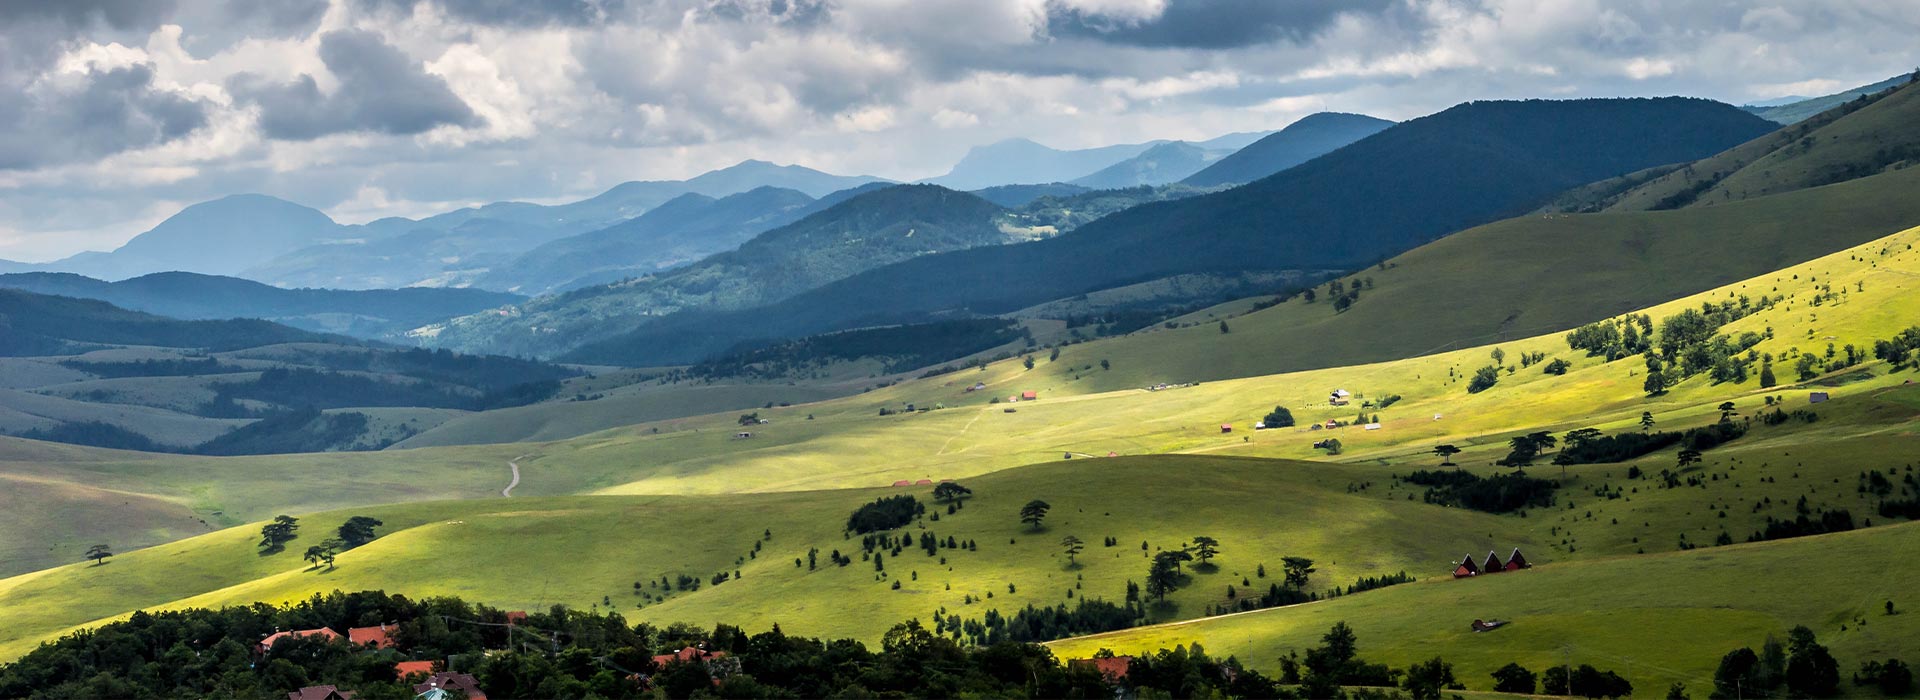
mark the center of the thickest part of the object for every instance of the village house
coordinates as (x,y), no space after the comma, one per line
(320,692)
(376,637)
(1817,397)
(325,633)
(438,686)
(408,669)
(1113,668)
(686,655)
(1029,395)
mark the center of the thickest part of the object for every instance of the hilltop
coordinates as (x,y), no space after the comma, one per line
(1313,136)
(1858,138)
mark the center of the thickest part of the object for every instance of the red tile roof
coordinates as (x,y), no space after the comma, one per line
(1113,667)
(462,682)
(1029,394)
(517,617)
(378,637)
(275,638)
(903,482)
(923,482)
(687,654)
(408,668)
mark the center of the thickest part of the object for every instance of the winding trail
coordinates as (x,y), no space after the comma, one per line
(513,464)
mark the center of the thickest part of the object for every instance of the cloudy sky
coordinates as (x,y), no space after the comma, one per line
(116,113)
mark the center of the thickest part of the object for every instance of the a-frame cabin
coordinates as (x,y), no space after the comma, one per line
(1493,565)
(1466,568)
(1517,561)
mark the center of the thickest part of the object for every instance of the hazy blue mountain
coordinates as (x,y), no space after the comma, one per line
(220,237)
(1312,136)
(191,296)
(681,231)
(42,324)
(1398,189)
(1164,163)
(1796,111)
(1016,161)
(1011,196)
(461,248)
(866,231)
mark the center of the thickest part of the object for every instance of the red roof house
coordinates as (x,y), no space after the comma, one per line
(686,655)
(377,637)
(409,668)
(903,482)
(517,617)
(1114,668)
(1029,395)
(1466,568)
(272,639)
(320,692)
(444,682)
(1516,561)
(923,482)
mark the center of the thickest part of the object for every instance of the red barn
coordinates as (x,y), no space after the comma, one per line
(1466,568)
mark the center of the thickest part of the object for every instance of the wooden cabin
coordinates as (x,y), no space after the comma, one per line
(1516,561)
(1493,565)
(1466,568)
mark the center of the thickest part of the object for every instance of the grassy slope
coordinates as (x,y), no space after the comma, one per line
(532,552)
(1655,619)
(1810,153)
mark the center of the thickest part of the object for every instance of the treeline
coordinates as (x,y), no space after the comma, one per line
(899,348)
(1501,493)
(181,367)
(308,388)
(487,373)
(299,430)
(565,653)
(1587,446)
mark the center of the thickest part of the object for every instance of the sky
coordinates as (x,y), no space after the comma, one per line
(115,114)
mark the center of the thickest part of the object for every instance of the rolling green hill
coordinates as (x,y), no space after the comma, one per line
(1795,111)
(38,324)
(1655,619)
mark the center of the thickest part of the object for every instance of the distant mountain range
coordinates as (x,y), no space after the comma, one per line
(1022,161)
(1795,109)
(284,244)
(866,231)
(1389,192)
(380,313)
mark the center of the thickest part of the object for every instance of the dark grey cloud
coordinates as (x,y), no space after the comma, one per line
(517,13)
(117,14)
(380,89)
(1208,24)
(77,117)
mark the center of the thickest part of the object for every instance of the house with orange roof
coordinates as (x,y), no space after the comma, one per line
(324,633)
(405,669)
(377,637)
(1113,668)
(688,654)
